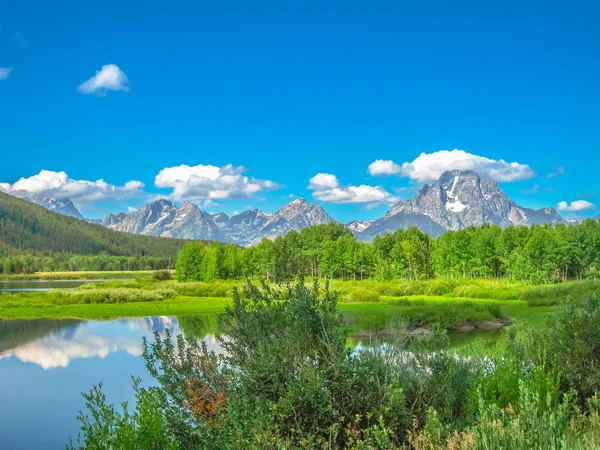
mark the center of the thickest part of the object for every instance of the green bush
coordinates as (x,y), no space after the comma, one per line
(288,380)
(162,275)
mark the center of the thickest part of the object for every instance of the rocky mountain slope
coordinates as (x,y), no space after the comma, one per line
(459,199)
(64,207)
(163,218)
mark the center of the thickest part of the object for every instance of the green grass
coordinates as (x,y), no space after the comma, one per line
(180,306)
(556,293)
(81,275)
(351,290)
(365,305)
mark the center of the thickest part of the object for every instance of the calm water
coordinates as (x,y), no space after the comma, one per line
(46,364)
(42,285)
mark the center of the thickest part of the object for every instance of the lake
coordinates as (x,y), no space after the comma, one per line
(45,365)
(42,285)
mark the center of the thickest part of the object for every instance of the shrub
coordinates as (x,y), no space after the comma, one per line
(287,379)
(571,345)
(162,275)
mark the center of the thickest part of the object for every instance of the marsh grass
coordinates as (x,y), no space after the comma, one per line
(81,275)
(350,290)
(199,289)
(366,304)
(87,296)
(555,294)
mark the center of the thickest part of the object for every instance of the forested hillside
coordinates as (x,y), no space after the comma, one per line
(26,228)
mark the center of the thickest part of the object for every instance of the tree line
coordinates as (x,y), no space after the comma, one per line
(28,264)
(538,254)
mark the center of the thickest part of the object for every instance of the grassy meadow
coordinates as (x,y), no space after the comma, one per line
(456,305)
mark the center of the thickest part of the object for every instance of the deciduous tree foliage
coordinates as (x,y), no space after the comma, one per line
(535,254)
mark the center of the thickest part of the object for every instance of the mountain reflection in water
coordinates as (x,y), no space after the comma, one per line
(46,364)
(55,343)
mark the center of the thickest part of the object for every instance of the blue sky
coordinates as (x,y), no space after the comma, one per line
(289,92)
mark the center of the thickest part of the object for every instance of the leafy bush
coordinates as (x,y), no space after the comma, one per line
(162,275)
(287,379)
(571,343)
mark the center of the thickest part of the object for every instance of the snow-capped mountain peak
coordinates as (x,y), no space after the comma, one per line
(457,200)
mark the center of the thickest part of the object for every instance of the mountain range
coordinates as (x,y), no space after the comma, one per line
(164,218)
(459,199)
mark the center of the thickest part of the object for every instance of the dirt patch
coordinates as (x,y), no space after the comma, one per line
(418,332)
(462,327)
(487,325)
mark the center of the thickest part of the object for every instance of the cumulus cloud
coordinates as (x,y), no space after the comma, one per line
(380,168)
(577,205)
(556,172)
(430,166)
(109,78)
(210,182)
(5,72)
(60,186)
(327,188)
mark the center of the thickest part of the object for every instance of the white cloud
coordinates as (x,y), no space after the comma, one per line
(380,168)
(556,172)
(210,182)
(5,72)
(577,205)
(327,188)
(131,209)
(208,203)
(60,186)
(533,190)
(110,78)
(430,166)
(323,181)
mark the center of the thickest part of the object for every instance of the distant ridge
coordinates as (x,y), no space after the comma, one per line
(459,199)
(29,228)
(164,218)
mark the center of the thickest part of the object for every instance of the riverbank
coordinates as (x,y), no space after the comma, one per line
(459,306)
(453,314)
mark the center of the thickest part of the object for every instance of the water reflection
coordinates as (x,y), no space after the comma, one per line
(56,343)
(46,364)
